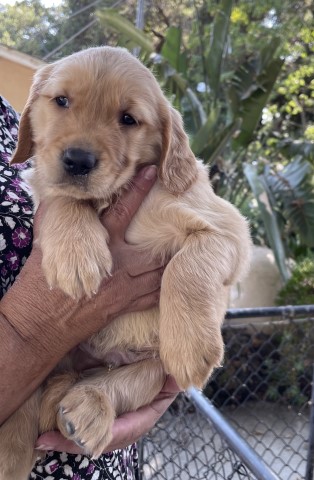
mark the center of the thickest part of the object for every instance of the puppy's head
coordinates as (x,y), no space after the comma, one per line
(92,119)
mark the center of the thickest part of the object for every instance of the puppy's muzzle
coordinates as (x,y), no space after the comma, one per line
(77,161)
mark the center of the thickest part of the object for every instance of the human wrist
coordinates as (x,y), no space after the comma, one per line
(36,313)
(49,319)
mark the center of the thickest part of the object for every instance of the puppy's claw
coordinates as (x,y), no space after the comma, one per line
(63,411)
(70,428)
(80,443)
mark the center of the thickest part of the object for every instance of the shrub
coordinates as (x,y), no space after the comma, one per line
(299,289)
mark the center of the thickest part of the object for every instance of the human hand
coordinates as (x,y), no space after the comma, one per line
(127,429)
(134,285)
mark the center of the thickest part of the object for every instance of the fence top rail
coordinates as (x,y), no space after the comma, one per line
(246,453)
(283,311)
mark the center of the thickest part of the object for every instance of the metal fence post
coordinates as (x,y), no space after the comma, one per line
(248,456)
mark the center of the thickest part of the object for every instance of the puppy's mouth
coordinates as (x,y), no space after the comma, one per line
(78,187)
(79,181)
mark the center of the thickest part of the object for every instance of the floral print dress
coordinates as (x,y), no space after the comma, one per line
(15,245)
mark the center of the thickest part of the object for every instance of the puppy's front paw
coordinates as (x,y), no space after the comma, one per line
(192,361)
(86,417)
(77,267)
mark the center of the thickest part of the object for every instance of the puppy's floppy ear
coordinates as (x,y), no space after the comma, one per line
(25,145)
(178,165)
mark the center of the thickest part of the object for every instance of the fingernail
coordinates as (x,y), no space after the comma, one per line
(42,447)
(149,172)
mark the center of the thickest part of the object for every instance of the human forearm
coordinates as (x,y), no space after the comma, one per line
(34,335)
(23,368)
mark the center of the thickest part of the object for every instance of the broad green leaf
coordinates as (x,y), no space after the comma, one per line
(267,53)
(251,109)
(300,212)
(290,148)
(112,18)
(203,137)
(197,106)
(172,47)
(295,195)
(218,142)
(218,45)
(290,178)
(269,218)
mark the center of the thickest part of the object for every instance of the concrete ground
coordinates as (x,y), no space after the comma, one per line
(185,446)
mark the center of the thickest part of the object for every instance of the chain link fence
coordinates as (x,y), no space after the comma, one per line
(264,394)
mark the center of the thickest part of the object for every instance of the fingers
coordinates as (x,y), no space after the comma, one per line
(118,218)
(140,264)
(54,441)
(131,288)
(134,261)
(145,302)
(170,388)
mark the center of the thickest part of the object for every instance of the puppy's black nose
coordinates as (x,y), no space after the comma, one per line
(77,161)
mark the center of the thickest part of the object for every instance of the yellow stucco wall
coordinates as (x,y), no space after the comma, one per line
(15,82)
(16,78)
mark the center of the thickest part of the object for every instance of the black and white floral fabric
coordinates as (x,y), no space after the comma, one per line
(16,219)
(15,204)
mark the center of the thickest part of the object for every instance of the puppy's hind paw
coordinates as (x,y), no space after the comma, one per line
(86,417)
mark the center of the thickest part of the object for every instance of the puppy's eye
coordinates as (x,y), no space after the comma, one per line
(127,119)
(62,101)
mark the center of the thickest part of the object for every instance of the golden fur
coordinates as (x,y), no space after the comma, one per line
(181,218)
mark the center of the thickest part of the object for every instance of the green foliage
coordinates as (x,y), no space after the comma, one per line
(132,35)
(269,215)
(30,27)
(299,290)
(290,374)
(291,189)
(253,83)
(20,29)
(249,84)
(275,366)
(214,60)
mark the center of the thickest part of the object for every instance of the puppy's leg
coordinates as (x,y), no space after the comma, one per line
(54,391)
(88,410)
(193,300)
(18,435)
(74,244)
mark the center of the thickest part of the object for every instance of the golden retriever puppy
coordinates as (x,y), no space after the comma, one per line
(91,120)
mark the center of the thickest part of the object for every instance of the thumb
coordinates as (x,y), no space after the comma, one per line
(118,218)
